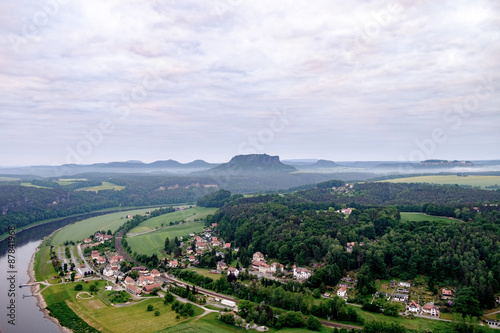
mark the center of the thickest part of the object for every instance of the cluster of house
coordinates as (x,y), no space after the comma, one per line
(260,265)
(99,238)
(428,308)
(113,269)
(222,266)
(350,246)
(402,293)
(145,283)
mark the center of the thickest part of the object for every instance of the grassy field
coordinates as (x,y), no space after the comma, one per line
(188,215)
(43,265)
(69,181)
(418,217)
(82,229)
(153,242)
(210,324)
(206,273)
(31,185)
(7,179)
(131,318)
(472,180)
(103,186)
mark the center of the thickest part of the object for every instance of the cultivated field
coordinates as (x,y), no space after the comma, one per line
(187,215)
(154,242)
(103,186)
(418,217)
(471,180)
(69,181)
(81,230)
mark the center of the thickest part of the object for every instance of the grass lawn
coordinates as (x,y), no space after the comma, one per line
(106,318)
(82,229)
(31,185)
(419,217)
(210,324)
(103,186)
(206,273)
(154,242)
(413,324)
(43,265)
(187,215)
(471,180)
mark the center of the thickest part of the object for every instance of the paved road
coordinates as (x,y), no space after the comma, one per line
(87,267)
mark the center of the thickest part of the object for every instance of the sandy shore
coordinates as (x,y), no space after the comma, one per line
(40,302)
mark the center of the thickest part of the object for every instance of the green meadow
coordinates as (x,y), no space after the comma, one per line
(106,318)
(471,180)
(103,186)
(154,242)
(82,229)
(419,217)
(187,215)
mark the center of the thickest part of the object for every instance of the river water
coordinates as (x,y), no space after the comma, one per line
(28,317)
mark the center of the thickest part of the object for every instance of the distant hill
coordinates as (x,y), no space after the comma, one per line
(325,164)
(255,163)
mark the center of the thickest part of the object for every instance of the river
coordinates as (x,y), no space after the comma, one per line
(28,317)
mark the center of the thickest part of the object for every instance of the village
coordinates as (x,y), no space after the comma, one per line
(140,281)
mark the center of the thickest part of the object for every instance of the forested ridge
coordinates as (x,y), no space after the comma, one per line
(303,228)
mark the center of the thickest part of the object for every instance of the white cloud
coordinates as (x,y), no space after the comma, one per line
(365,77)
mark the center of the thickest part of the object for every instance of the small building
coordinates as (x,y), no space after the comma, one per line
(404,284)
(95,254)
(192,258)
(414,307)
(346,211)
(173,264)
(87,240)
(129,280)
(350,247)
(446,294)
(431,309)
(227,246)
(116,259)
(101,260)
(133,289)
(221,266)
(276,266)
(233,270)
(258,256)
(149,288)
(301,273)
(342,292)
(107,238)
(155,273)
(400,298)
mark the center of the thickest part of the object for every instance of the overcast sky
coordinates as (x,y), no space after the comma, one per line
(96,81)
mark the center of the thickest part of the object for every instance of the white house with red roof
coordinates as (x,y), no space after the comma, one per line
(431,309)
(258,256)
(155,273)
(95,254)
(301,273)
(342,292)
(414,307)
(233,270)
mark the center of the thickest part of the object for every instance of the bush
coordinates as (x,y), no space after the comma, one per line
(150,307)
(78,287)
(313,323)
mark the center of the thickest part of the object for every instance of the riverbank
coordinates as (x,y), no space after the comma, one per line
(40,301)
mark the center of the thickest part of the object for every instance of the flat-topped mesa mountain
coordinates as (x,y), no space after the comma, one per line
(325,164)
(253,163)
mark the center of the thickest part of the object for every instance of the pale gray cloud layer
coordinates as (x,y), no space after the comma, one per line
(93,81)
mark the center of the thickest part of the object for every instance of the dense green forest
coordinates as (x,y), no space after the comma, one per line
(303,228)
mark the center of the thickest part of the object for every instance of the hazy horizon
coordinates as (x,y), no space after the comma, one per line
(95,82)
